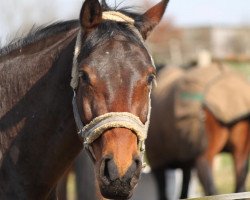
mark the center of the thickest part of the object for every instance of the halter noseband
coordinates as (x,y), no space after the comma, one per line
(93,130)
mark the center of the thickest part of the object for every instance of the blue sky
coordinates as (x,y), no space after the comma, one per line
(210,12)
(17,14)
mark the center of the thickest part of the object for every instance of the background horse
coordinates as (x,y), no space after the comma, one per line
(111,73)
(184,133)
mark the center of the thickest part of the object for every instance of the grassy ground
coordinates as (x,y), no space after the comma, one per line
(243,67)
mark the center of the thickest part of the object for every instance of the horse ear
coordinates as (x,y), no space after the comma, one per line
(147,22)
(91,14)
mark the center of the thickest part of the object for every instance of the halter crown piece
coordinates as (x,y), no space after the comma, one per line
(90,132)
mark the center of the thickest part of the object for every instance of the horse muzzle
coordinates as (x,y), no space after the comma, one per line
(111,185)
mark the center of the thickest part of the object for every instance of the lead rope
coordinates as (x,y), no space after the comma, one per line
(90,132)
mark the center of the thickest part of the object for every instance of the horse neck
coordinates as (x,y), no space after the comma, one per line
(37,134)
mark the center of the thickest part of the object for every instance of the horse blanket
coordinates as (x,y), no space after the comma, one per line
(222,90)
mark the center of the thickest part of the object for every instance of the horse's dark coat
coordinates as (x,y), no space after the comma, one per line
(32,83)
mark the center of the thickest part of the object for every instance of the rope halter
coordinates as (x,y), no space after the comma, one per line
(93,130)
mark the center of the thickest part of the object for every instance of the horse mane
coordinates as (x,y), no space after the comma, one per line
(44,31)
(39,33)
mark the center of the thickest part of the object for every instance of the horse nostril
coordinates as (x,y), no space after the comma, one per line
(104,173)
(134,169)
(138,162)
(108,170)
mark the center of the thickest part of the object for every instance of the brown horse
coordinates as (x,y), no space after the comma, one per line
(192,136)
(112,73)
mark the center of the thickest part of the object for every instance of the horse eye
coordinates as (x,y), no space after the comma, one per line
(151,78)
(85,77)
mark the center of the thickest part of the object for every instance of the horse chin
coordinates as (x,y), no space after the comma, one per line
(116,190)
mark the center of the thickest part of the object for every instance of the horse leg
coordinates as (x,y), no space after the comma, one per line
(204,172)
(217,136)
(161,183)
(185,182)
(241,168)
(240,142)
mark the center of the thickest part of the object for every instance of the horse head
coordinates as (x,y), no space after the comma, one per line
(112,77)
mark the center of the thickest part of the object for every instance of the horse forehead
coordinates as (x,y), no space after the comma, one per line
(121,54)
(122,45)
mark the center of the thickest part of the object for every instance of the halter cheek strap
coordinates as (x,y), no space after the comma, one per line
(90,132)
